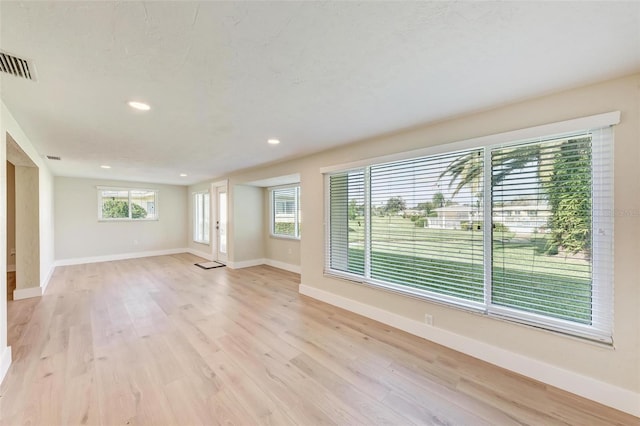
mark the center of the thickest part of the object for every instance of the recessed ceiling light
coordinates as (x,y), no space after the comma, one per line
(139,105)
(183,175)
(104,166)
(273,141)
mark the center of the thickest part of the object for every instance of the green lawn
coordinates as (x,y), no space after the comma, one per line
(450,262)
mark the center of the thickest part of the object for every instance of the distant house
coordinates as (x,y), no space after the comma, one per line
(521,219)
(411,212)
(452,217)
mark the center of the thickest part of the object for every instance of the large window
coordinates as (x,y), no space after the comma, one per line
(127,204)
(201,210)
(520,230)
(285,211)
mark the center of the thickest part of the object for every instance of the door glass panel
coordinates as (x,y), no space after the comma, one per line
(222,215)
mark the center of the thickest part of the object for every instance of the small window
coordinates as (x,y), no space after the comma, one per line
(285,212)
(127,204)
(201,209)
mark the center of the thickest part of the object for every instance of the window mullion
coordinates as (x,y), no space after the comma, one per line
(296,206)
(274,208)
(129,206)
(487,225)
(367,222)
(202,211)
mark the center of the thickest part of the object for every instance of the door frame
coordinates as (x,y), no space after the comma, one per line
(216,187)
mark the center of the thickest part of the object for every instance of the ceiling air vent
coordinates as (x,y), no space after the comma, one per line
(54,157)
(16,66)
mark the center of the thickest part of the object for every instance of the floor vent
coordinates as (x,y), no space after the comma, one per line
(54,157)
(16,66)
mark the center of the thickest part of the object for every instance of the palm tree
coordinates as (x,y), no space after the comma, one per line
(438,199)
(564,172)
(467,169)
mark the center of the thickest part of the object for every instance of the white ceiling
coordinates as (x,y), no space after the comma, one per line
(223,77)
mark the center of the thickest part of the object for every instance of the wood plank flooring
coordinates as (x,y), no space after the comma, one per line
(161,341)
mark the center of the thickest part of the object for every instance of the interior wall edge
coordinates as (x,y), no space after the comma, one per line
(5,362)
(283,265)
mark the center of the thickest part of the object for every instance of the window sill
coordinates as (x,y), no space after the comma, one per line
(284,237)
(128,220)
(204,243)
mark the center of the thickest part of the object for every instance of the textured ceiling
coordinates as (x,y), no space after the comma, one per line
(223,77)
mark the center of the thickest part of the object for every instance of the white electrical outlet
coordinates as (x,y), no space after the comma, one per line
(428,319)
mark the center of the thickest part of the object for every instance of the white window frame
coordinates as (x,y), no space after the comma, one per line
(601,329)
(272,192)
(156,203)
(196,225)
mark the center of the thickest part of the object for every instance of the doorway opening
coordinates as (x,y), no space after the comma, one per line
(22,222)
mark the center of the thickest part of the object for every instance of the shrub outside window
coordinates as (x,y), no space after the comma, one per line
(127,204)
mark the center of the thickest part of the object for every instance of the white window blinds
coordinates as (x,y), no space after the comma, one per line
(285,211)
(547,260)
(518,230)
(425,228)
(201,209)
(347,227)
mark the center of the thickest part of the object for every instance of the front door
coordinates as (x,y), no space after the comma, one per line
(221,224)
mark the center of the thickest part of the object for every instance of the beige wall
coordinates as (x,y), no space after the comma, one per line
(283,250)
(79,234)
(247,224)
(11,213)
(618,366)
(27,205)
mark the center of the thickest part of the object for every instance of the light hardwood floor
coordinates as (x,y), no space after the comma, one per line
(161,341)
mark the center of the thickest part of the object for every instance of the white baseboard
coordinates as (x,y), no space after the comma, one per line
(5,362)
(256,262)
(26,293)
(245,263)
(45,282)
(587,387)
(282,265)
(11,268)
(201,254)
(112,257)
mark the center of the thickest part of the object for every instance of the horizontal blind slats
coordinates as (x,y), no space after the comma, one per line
(542,207)
(551,233)
(423,252)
